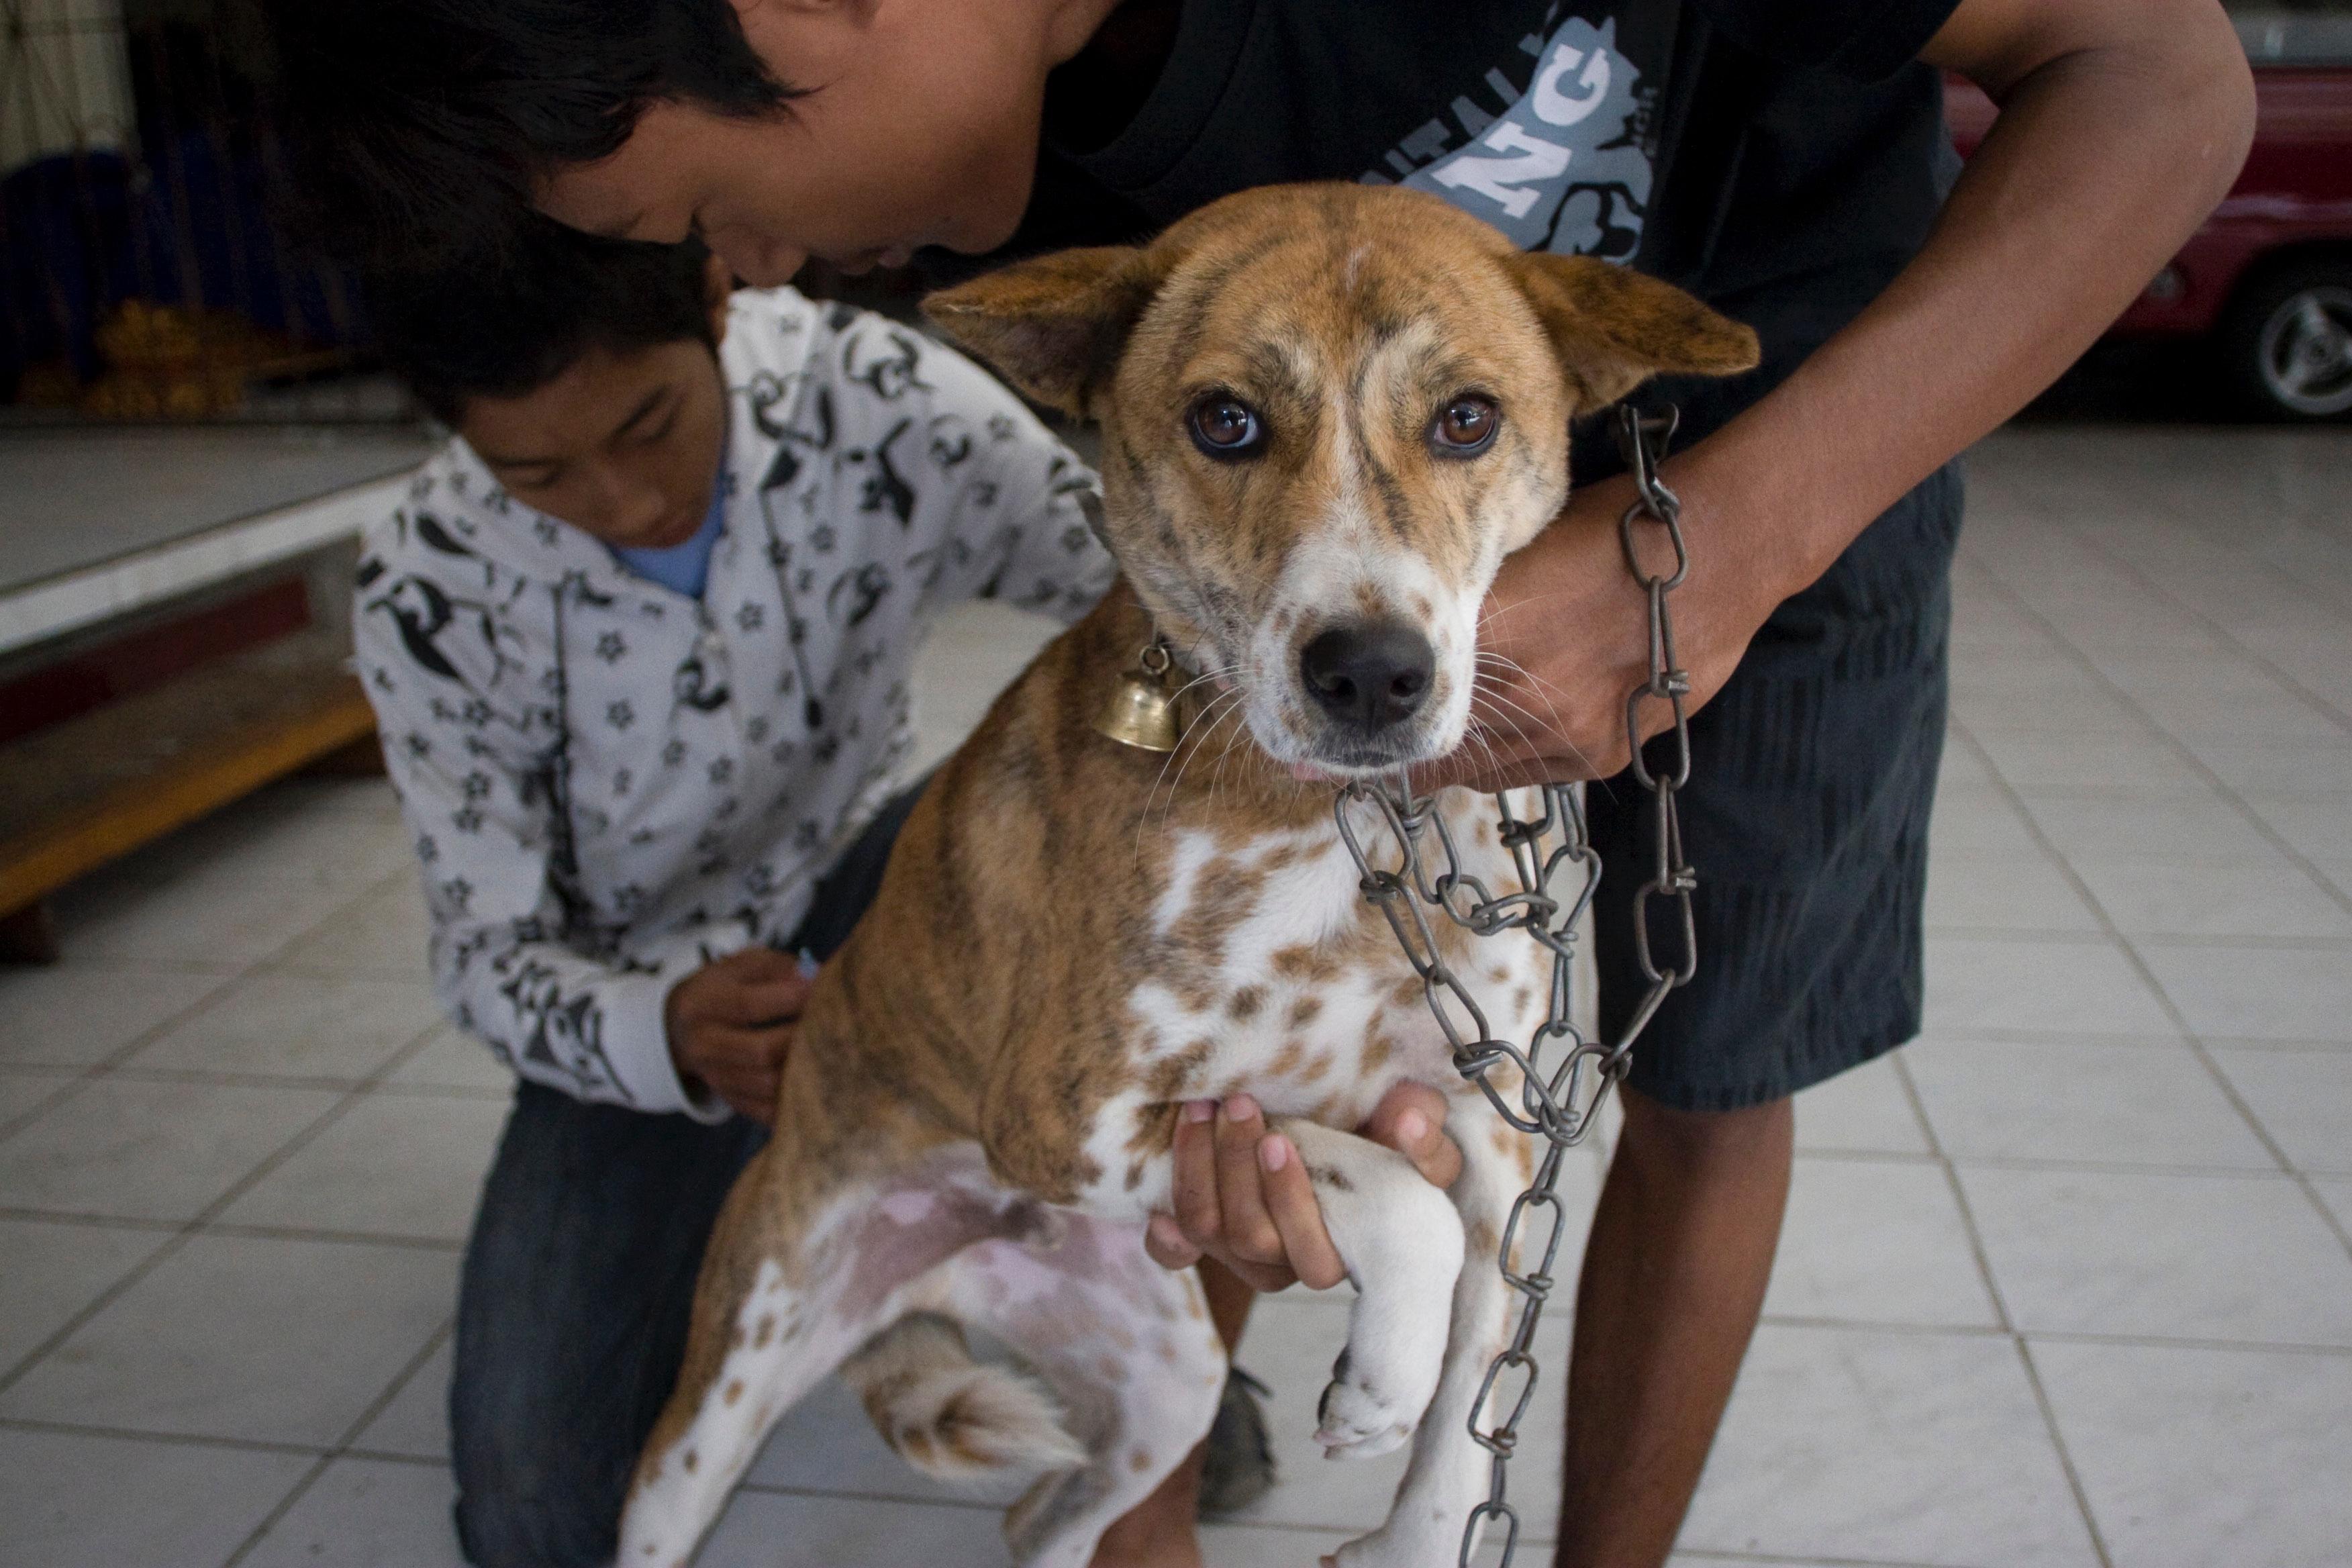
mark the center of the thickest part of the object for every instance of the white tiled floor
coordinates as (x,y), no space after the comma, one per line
(2067,1282)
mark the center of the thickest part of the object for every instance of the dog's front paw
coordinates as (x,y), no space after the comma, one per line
(1362,1420)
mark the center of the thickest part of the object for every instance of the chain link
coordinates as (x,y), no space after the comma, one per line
(1557,1081)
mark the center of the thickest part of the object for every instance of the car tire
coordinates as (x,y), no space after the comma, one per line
(2286,341)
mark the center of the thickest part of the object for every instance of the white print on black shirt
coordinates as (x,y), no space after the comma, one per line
(1561,164)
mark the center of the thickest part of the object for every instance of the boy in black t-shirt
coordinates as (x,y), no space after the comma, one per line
(1783,160)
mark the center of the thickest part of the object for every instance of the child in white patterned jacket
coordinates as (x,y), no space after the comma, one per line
(639,642)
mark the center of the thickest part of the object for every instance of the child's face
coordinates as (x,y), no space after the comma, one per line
(920,127)
(624,447)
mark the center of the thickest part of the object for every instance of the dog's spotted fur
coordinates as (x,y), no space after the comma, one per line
(1073,939)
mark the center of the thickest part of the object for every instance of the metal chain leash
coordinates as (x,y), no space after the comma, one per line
(1562,1078)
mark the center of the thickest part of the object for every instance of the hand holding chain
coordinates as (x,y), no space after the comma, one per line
(1558,1079)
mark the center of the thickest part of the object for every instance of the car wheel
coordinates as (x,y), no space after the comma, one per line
(2288,341)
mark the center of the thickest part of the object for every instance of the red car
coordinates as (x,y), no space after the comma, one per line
(2268,280)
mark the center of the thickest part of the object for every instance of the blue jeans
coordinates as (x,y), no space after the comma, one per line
(578,1282)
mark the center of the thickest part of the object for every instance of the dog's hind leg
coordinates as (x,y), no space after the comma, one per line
(1129,1353)
(764,1332)
(1449,1472)
(795,1279)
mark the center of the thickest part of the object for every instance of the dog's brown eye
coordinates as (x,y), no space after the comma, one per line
(1466,425)
(1226,426)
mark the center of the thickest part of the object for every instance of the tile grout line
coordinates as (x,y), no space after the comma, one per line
(2120,1168)
(203,1218)
(408,1240)
(2044,936)
(391,1457)
(231,977)
(2243,943)
(1807,1561)
(2057,936)
(276,960)
(323,1082)
(2217,629)
(90,1220)
(172,1439)
(771,1488)
(2028,1163)
(2197,1046)
(2229,1088)
(2146,973)
(66,1083)
(88,1073)
(2169,1342)
(242,1232)
(2001,1314)
(342,1446)
(2059,1039)
(2180,749)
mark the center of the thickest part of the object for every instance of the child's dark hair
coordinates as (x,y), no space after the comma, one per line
(502,327)
(423,126)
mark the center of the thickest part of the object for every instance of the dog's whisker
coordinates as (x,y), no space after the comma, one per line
(1204,678)
(1540,687)
(1513,675)
(1487,617)
(1490,721)
(1535,683)
(1217,773)
(1511,712)
(1503,661)
(1238,731)
(1194,738)
(1532,745)
(1481,734)
(1497,703)
(1189,748)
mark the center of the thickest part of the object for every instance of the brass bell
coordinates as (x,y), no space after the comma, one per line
(1141,712)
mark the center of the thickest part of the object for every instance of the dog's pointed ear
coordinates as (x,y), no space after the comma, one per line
(1053,326)
(1615,327)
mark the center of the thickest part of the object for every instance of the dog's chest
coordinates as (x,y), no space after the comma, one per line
(1267,972)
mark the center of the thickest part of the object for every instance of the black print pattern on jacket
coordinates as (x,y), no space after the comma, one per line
(609,785)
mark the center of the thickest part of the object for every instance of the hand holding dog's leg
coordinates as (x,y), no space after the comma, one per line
(1410,1119)
(1309,1202)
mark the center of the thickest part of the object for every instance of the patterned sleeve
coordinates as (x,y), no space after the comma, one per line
(996,504)
(481,810)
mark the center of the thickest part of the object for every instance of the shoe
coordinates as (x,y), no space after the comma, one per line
(1239,1466)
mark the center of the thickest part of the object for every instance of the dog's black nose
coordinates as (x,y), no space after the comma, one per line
(1369,676)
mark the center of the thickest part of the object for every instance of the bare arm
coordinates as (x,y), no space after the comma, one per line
(2122,122)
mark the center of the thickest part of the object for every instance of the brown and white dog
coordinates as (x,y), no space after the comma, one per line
(1327,414)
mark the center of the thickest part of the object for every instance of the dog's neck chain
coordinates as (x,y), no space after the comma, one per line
(1562,1078)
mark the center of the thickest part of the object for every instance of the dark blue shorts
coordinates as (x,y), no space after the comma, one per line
(1811,777)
